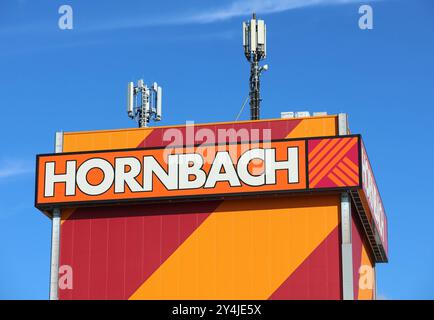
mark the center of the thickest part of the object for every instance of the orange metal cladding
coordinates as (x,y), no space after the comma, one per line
(252,248)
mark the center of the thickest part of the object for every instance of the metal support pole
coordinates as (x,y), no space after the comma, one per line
(55,236)
(55,246)
(144,116)
(255,98)
(347,248)
(374,290)
(346,224)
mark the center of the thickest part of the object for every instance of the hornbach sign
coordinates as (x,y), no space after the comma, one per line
(209,170)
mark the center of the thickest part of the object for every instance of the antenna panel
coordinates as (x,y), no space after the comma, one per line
(146,100)
(261,32)
(130,99)
(253,35)
(265,40)
(244,34)
(159,102)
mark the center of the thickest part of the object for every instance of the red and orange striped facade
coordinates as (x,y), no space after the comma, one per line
(251,247)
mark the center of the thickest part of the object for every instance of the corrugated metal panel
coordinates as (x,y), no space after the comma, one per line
(235,249)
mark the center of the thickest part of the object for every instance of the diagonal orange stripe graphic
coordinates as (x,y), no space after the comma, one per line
(306,283)
(244,250)
(324,151)
(336,180)
(313,171)
(354,177)
(314,127)
(333,162)
(343,177)
(318,148)
(351,164)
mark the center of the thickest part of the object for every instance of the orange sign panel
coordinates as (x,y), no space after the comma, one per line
(163,173)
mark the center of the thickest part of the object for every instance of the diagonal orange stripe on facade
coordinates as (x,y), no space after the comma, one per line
(318,277)
(314,127)
(352,165)
(333,162)
(324,152)
(335,179)
(313,171)
(354,177)
(244,250)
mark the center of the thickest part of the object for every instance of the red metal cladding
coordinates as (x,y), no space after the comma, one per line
(357,244)
(209,133)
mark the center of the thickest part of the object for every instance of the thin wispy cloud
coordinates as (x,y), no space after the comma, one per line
(246,7)
(12,168)
(219,13)
(237,8)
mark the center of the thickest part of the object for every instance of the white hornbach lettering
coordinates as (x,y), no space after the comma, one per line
(373,195)
(184,171)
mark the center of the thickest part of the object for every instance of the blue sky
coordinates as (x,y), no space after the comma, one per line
(319,59)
